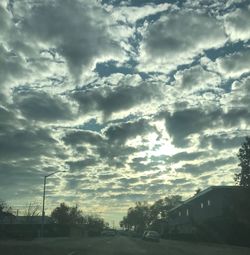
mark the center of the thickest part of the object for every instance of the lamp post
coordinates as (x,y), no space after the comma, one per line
(44,189)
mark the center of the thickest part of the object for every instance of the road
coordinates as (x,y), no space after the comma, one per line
(118,245)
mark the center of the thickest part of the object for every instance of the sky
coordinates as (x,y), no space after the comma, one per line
(136,100)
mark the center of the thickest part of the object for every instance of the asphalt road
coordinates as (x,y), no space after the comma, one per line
(118,245)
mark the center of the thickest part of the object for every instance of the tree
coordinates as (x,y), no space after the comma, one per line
(32,211)
(5,211)
(143,216)
(124,223)
(197,191)
(137,218)
(243,178)
(65,214)
(95,224)
(159,211)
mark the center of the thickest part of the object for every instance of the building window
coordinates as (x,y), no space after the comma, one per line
(187,212)
(202,205)
(180,213)
(208,202)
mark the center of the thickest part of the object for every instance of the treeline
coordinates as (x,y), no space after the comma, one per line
(144,216)
(68,215)
(63,220)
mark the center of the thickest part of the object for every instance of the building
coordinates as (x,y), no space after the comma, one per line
(217,213)
(12,219)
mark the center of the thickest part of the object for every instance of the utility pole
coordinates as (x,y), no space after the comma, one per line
(44,191)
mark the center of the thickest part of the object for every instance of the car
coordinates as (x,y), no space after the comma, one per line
(109,232)
(151,236)
(144,234)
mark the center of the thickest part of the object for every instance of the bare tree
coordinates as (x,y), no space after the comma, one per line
(32,211)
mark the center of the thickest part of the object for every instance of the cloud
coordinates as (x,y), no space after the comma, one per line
(196,78)
(120,133)
(82,136)
(168,43)
(139,166)
(74,29)
(196,121)
(239,96)
(185,156)
(132,14)
(81,165)
(222,141)
(209,166)
(11,65)
(237,24)
(25,143)
(233,65)
(41,106)
(110,100)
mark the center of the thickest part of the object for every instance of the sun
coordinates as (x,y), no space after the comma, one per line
(158,146)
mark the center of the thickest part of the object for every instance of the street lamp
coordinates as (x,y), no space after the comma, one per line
(44,189)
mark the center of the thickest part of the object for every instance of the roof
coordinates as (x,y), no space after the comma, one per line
(211,188)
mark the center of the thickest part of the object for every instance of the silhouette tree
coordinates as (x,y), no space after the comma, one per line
(243,178)
(143,216)
(197,191)
(32,211)
(65,214)
(161,207)
(5,211)
(94,224)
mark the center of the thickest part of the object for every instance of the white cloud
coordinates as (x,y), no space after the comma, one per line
(237,24)
(232,65)
(177,38)
(239,96)
(131,14)
(196,78)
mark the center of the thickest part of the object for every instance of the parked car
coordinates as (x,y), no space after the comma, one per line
(151,236)
(144,234)
(109,232)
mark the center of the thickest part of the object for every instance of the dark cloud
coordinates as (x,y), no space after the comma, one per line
(235,116)
(11,65)
(221,141)
(183,123)
(81,165)
(122,132)
(127,181)
(8,119)
(209,166)
(22,173)
(103,146)
(179,181)
(41,106)
(117,99)
(82,136)
(157,187)
(107,176)
(185,156)
(129,197)
(25,143)
(75,29)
